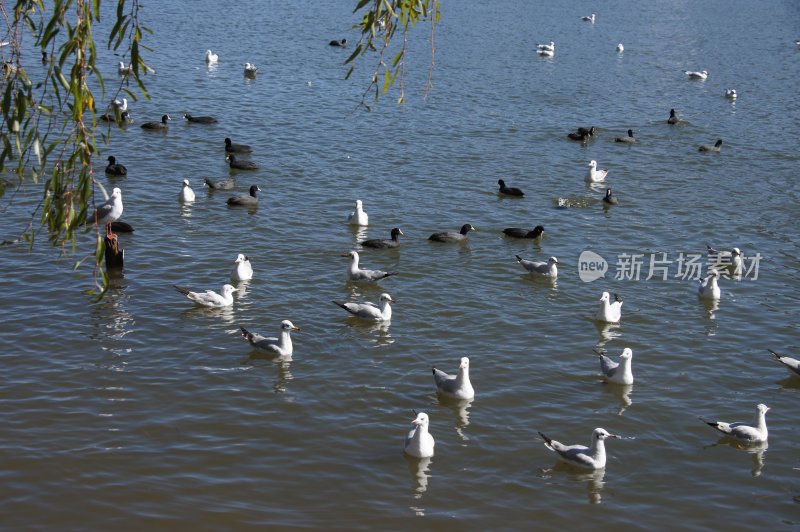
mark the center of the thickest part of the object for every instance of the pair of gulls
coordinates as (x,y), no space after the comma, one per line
(594,456)
(419,442)
(242,271)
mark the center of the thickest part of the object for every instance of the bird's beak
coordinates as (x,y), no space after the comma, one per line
(344,255)
(235,290)
(295,328)
(613,435)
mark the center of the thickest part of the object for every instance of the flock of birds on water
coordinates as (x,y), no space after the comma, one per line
(419,442)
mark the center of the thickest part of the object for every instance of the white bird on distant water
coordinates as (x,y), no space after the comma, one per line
(546,53)
(731,259)
(619,373)
(756,433)
(593,175)
(211,57)
(731,93)
(551,47)
(609,312)
(124,70)
(122,105)
(545,269)
(371,311)
(455,386)
(589,18)
(354,273)
(358,216)
(592,457)
(709,289)
(243,270)
(419,442)
(792,364)
(250,70)
(277,346)
(620,48)
(109,212)
(209,298)
(703,74)
(187,194)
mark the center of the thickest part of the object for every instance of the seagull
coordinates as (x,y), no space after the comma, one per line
(589,18)
(546,53)
(358,216)
(371,311)
(619,373)
(703,74)
(224,184)
(157,125)
(455,386)
(551,47)
(451,236)
(114,168)
(716,148)
(124,70)
(709,289)
(211,57)
(518,232)
(673,118)
(629,139)
(609,312)
(610,198)
(187,194)
(594,175)
(209,298)
(620,48)
(236,164)
(109,212)
(581,134)
(250,70)
(279,346)
(230,147)
(354,273)
(731,259)
(243,271)
(419,442)
(200,119)
(731,93)
(249,200)
(745,433)
(122,105)
(545,269)
(592,457)
(792,364)
(509,191)
(383,243)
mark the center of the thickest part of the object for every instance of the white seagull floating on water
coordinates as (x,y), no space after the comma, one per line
(544,269)
(550,47)
(419,442)
(354,273)
(731,259)
(792,364)
(209,298)
(455,386)
(592,457)
(371,311)
(187,194)
(618,373)
(277,346)
(709,289)
(609,312)
(358,216)
(250,70)
(756,433)
(703,74)
(589,18)
(211,57)
(731,93)
(620,48)
(593,175)
(243,270)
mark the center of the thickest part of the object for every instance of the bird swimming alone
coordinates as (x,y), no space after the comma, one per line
(716,148)
(339,44)
(124,70)
(592,457)
(673,118)
(589,18)
(609,312)
(509,191)
(727,259)
(709,289)
(211,57)
(617,372)
(544,269)
(250,70)
(158,126)
(593,175)
(702,74)
(246,201)
(550,47)
(242,269)
(358,216)
(454,386)
(451,236)
(356,274)
(209,298)
(419,443)
(393,242)
(518,232)
(620,48)
(200,119)
(281,346)
(187,194)
(731,94)
(628,139)
(223,184)
(610,198)
(230,147)
(370,311)
(756,433)
(114,168)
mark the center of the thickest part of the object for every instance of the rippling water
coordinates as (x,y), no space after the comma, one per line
(141,411)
